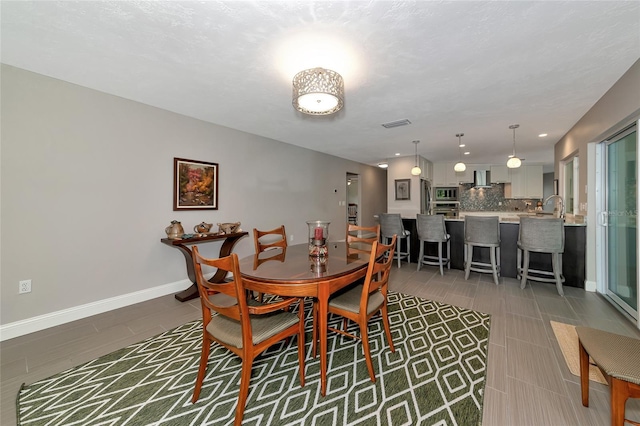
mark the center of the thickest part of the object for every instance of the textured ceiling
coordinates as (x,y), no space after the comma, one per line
(449,67)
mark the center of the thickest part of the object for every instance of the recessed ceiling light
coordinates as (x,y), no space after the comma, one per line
(462,145)
(397,154)
(467,153)
(510,155)
(383,165)
(542,135)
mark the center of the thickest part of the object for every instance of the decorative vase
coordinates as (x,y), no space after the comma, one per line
(175,230)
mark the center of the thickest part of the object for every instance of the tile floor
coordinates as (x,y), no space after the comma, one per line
(528,382)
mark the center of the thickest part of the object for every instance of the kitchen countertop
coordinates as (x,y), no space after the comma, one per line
(514,216)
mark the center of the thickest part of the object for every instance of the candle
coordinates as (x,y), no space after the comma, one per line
(318,235)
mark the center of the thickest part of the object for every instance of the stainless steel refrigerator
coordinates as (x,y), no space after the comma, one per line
(425,197)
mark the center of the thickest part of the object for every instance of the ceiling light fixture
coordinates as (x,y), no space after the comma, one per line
(383,165)
(542,135)
(416,171)
(514,162)
(318,91)
(460,166)
(397,123)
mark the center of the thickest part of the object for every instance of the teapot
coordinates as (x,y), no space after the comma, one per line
(175,230)
(202,228)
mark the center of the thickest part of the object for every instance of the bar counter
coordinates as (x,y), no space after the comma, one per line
(573,258)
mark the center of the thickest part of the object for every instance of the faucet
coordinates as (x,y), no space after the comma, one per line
(546,201)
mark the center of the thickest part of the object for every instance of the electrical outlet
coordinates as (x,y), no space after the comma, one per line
(24,286)
(291,238)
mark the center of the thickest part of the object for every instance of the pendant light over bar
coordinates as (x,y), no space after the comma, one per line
(514,162)
(416,171)
(318,91)
(460,166)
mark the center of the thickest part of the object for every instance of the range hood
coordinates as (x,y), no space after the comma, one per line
(481,179)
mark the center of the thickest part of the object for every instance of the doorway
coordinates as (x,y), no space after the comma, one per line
(618,214)
(353,199)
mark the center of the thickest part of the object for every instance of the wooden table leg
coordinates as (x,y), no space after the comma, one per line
(323,308)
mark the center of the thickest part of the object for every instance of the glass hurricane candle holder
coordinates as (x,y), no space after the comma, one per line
(318,234)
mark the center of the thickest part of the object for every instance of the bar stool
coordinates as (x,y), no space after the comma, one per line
(390,225)
(541,236)
(482,231)
(431,229)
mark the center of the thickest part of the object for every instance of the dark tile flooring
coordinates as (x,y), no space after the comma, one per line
(528,382)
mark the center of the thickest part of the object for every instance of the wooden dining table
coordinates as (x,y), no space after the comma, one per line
(292,272)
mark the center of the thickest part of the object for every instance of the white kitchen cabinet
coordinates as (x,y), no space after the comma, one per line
(466,176)
(444,175)
(526,182)
(427,168)
(500,174)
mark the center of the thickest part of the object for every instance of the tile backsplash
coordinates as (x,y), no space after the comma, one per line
(490,199)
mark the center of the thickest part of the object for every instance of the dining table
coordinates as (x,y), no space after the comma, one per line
(292,272)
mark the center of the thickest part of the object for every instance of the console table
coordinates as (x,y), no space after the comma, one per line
(182,244)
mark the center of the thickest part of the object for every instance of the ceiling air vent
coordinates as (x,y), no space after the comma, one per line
(396,123)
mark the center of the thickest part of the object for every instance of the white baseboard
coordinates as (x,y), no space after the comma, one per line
(41,322)
(590,286)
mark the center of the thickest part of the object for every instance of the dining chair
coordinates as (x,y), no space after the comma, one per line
(362,302)
(270,241)
(617,358)
(263,244)
(360,239)
(243,326)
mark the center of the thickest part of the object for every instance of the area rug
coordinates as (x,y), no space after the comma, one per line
(568,340)
(436,376)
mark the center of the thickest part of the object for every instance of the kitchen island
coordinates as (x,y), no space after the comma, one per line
(573,258)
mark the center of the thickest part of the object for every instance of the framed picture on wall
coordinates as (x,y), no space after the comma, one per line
(195,185)
(403,189)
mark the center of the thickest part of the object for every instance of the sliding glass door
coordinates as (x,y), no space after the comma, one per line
(621,219)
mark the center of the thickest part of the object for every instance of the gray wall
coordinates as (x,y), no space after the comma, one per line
(614,109)
(617,108)
(86,183)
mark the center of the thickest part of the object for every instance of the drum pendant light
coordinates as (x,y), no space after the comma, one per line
(318,91)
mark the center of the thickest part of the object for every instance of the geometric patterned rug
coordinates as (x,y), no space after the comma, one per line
(435,377)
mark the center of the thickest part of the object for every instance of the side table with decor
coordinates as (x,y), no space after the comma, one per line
(183,244)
